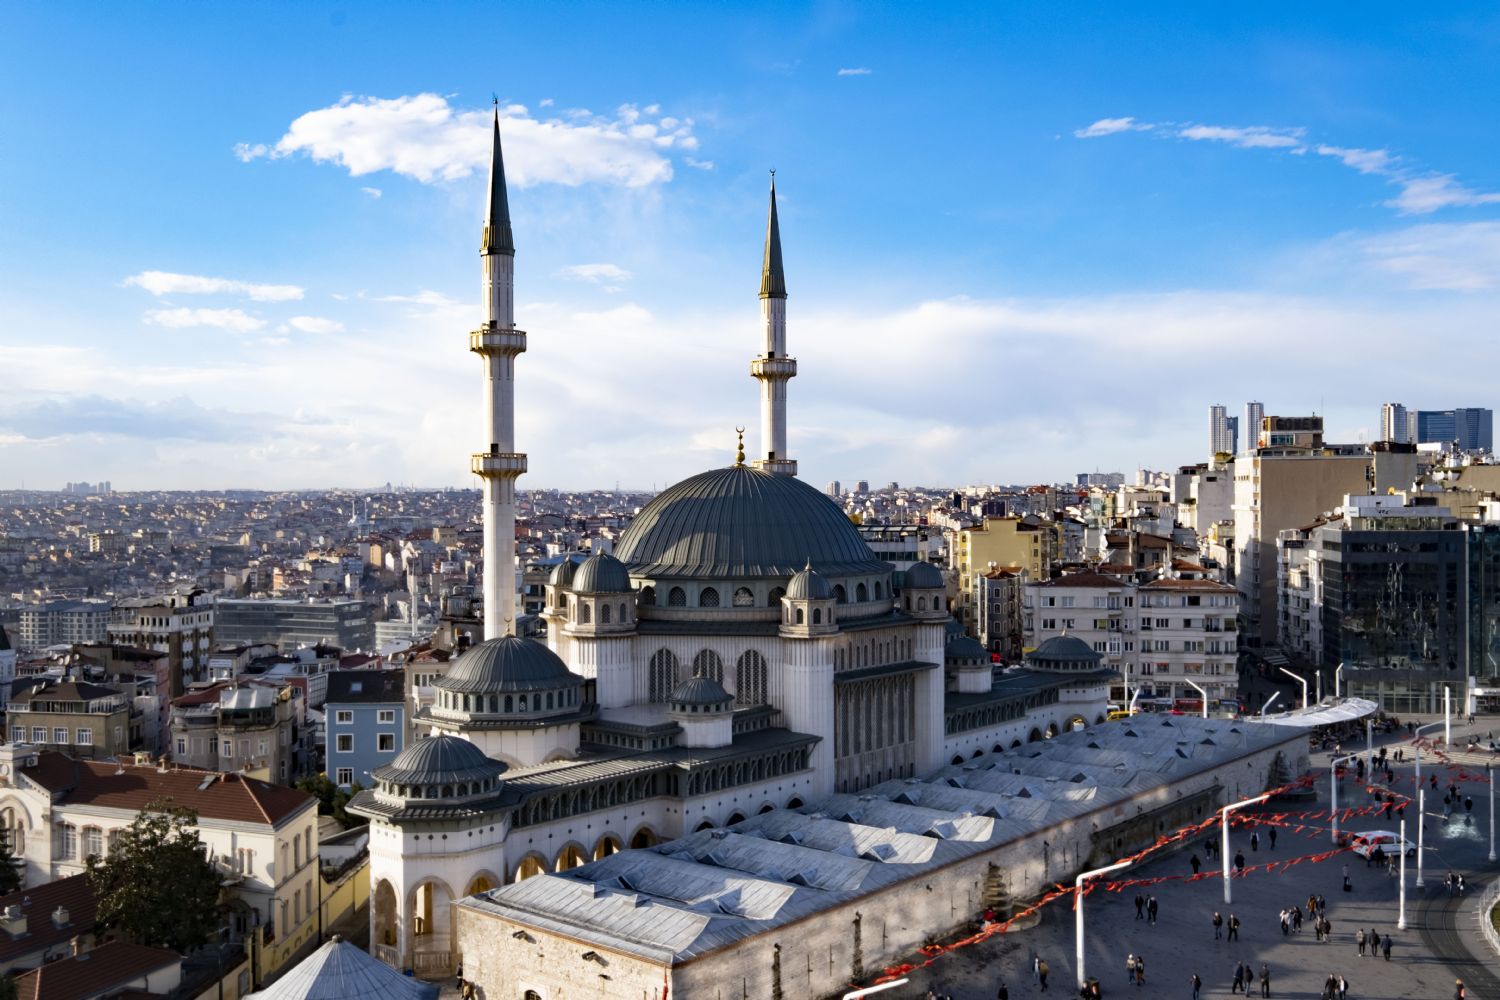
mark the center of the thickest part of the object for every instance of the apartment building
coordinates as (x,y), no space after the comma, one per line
(1027,543)
(290,624)
(252,727)
(180,625)
(87,720)
(57,623)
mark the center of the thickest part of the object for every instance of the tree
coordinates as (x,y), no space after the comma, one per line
(332,799)
(10,871)
(156,886)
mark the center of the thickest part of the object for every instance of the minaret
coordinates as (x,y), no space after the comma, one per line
(772,368)
(498,342)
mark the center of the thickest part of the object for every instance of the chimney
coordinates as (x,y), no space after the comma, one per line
(75,945)
(13,922)
(60,917)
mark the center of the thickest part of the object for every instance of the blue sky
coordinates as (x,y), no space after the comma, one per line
(238,243)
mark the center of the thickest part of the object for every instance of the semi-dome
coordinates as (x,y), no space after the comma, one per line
(742,522)
(508,663)
(703,692)
(439,760)
(601,574)
(809,585)
(923,576)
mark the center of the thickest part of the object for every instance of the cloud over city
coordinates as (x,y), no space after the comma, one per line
(161,283)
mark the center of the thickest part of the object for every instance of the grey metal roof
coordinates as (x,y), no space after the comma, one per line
(497,234)
(509,663)
(439,760)
(701,690)
(562,573)
(712,890)
(923,575)
(373,686)
(4,640)
(1064,649)
(772,277)
(601,573)
(741,522)
(342,971)
(965,648)
(809,585)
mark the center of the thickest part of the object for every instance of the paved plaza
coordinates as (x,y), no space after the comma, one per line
(1441,942)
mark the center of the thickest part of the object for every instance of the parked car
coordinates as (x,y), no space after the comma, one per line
(1364,843)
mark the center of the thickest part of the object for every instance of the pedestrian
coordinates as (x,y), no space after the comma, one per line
(1348,886)
(1041,972)
(1459,993)
(1239,978)
(1343,988)
(1239,861)
(1359,940)
(1374,941)
(1036,967)
(1272,834)
(1297,919)
(1330,986)
(1327,930)
(1318,928)
(1140,907)
(1234,927)
(1195,863)
(1151,909)
(1140,971)
(1461,885)
(1218,926)
(1286,923)
(1265,980)
(1130,968)
(1197,985)
(1003,993)
(1385,946)
(1469,804)
(1312,905)
(1254,842)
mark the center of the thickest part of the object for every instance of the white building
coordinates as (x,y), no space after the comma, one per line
(58,623)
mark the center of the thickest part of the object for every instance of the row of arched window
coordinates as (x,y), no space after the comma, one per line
(750,675)
(536,701)
(606,612)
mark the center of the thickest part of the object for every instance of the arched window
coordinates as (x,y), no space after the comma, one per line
(750,679)
(799,616)
(676,598)
(624,613)
(583,613)
(817,616)
(877,590)
(921,604)
(840,594)
(604,613)
(861,593)
(774,599)
(648,596)
(708,664)
(510,705)
(708,598)
(743,598)
(662,675)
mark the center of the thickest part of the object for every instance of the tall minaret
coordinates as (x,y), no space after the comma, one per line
(772,367)
(498,342)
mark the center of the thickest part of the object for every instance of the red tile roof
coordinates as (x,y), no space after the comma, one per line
(107,967)
(38,904)
(1084,580)
(1187,585)
(212,794)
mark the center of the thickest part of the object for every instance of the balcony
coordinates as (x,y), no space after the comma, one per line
(499,464)
(497,340)
(775,368)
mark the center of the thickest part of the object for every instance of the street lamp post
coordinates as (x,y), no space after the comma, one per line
(1204,693)
(1416,743)
(1421,829)
(1370,746)
(1338,675)
(1078,910)
(1300,680)
(1224,849)
(1489,775)
(1269,702)
(1447,717)
(1401,913)
(1333,791)
(1319,675)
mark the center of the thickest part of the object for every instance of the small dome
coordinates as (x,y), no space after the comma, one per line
(923,576)
(809,585)
(601,574)
(701,690)
(439,760)
(1064,649)
(965,648)
(562,573)
(508,663)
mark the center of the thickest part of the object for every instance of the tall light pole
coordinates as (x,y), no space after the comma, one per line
(1300,680)
(1338,675)
(1078,910)
(1269,702)
(1319,675)
(1401,914)
(1333,791)
(1416,743)
(1224,850)
(1447,716)
(1421,829)
(1489,775)
(1204,693)
(1370,746)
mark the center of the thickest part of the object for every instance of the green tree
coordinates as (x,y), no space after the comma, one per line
(10,870)
(156,886)
(331,798)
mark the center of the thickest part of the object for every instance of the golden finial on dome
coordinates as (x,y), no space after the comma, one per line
(739,450)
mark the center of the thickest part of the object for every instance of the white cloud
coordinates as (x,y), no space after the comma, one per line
(315,324)
(167,283)
(1366,161)
(372,192)
(423,137)
(855,71)
(698,164)
(234,320)
(608,276)
(1110,126)
(1245,137)
(247,151)
(426,297)
(1459,257)
(1428,193)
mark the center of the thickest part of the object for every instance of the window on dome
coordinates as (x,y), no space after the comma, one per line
(676,598)
(648,597)
(777,593)
(921,604)
(817,616)
(509,704)
(840,594)
(624,615)
(708,598)
(799,617)
(708,664)
(861,593)
(743,598)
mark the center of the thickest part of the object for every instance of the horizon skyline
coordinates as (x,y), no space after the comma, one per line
(1014,245)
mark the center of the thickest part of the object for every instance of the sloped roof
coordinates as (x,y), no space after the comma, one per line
(382,686)
(1087,579)
(213,795)
(38,904)
(107,967)
(342,971)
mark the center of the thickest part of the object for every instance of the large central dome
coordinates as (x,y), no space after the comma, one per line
(741,522)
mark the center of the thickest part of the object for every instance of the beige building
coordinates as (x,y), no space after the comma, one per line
(236,728)
(177,625)
(1027,543)
(86,720)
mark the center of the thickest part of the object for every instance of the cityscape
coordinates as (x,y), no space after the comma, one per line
(323,681)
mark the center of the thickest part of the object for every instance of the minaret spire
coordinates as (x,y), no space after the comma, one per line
(772,368)
(497,342)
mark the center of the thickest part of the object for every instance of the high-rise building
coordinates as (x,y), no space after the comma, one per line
(58,622)
(1393,423)
(1466,428)
(1220,441)
(1254,414)
(834,488)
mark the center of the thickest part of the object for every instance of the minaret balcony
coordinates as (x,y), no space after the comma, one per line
(499,465)
(497,340)
(776,466)
(774,368)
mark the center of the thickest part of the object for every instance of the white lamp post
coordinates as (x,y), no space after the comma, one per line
(1300,680)
(1447,717)
(1204,693)
(1421,828)
(1078,910)
(1401,914)
(1416,742)
(1333,791)
(1489,775)
(1224,849)
(1370,747)
(1338,675)
(1319,675)
(1269,702)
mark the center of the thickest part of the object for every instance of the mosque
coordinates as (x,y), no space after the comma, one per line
(742,654)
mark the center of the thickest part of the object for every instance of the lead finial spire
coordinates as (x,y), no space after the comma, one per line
(739,448)
(772,278)
(497,233)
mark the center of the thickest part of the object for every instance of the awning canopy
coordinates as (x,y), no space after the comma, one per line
(1326,714)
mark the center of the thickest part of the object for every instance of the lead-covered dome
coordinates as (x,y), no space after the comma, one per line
(809,585)
(601,574)
(923,576)
(439,760)
(504,665)
(742,522)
